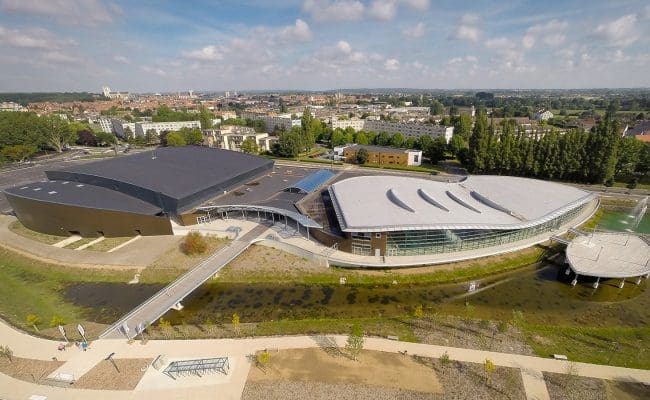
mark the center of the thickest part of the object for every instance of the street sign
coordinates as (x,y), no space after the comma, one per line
(62,330)
(82,332)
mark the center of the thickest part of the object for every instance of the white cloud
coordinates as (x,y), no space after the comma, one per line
(554,40)
(467,29)
(392,64)
(551,33)
(153,70)
(500,43)
(620,32)
(420,5)
(23,39)
(299,31)
(383,10)
(337,10)
(121,59)
(207,53)
(80,12)
(344,47)
(59,57)
(415,31)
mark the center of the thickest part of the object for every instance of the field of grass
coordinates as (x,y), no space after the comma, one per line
(20,229)
(383,327)
(108,243)
(29,286)
(625,347)
(174,262)
(440,274)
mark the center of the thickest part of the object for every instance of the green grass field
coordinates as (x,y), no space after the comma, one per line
(32,287)
(18,228)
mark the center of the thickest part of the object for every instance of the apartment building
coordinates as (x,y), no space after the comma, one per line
(407,129)
(231,138)
(282,121)
(141,128)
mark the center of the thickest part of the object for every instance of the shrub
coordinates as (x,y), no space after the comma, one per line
(194,243)
(56,321)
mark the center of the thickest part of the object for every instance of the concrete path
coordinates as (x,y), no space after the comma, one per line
(69,240)
(152,309)
(79,362)
(134,255)
(534,385)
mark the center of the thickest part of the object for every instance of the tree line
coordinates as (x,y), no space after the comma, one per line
(23,134)
(594,156)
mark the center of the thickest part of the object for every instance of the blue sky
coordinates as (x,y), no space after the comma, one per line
(166,45)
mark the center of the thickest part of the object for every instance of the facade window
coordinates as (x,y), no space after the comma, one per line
(415,158)
(378,235)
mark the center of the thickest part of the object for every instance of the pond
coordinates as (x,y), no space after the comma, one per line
(622,221)
(541,292)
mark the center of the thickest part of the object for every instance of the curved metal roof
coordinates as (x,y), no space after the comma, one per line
(301,219)
(311,182)
(376,203)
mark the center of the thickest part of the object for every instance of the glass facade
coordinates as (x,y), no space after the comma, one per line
(412,243)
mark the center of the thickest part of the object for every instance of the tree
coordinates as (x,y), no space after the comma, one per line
(489,370)
(33,320)
(194,243)
(418,312)
(18,152)
(86,138)
(397,140)
(435,151)
(456,144)
(56,321)
(57,133)
(249,146)
(633,183)
(235,322)
(437,108)
(205,117)
(5,351)
(283,106)
(462,125)
(175,139)
(105,139)
(263,360)
(362,138)
(290,143)
(192,136)
(338,138)
(354,344)
(362,156)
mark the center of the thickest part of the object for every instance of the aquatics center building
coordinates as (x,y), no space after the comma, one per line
(368,215)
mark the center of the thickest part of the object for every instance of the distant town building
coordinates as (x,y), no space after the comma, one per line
(105,124)
(380,155)
(231,137)
(114,95)
(11,106)
(407,129)
(121,128)
(283,121)
(641,131)
(141,128)
(542,115)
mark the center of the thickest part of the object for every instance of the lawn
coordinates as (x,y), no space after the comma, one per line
(625,347)
(32,287)
(18,228)
(264,265)
(108,243)
(174,262)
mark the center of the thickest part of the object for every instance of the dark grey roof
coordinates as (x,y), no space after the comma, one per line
(82,195)
(176,172)
(641,128)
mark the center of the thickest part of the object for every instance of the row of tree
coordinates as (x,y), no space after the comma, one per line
(594,156)
(22,134)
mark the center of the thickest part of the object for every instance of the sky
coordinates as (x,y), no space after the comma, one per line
(166,45)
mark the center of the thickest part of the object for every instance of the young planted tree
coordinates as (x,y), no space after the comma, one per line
(33,320)
(194,243)
(165,326)
(263,360)
(489,370)
(354,344)
(362,156)
(236,323)
(56,321)
(5,351)
(249,146)
(418,312)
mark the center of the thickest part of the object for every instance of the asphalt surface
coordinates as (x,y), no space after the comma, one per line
(20,175)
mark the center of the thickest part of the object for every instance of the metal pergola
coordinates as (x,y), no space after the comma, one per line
(197,367)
